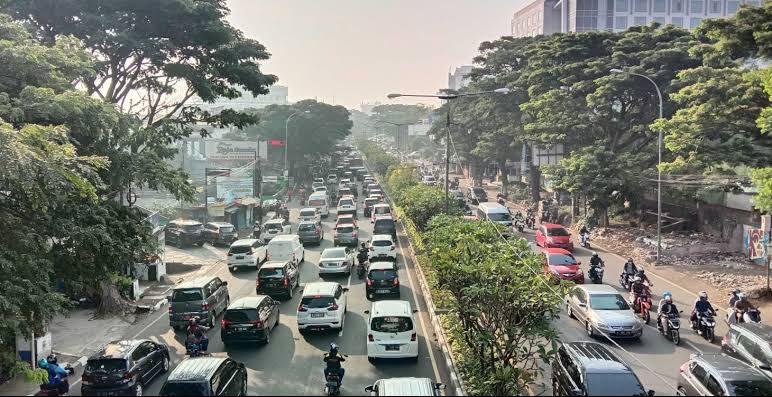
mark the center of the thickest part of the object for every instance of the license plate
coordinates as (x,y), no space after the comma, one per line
(623,333)
(317,315)
(382,255)
(392,348)
(240,257)
(382,291)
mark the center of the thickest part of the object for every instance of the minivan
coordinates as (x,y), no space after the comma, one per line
(277,278)
(385,225)
(204,297)
(405,387)
(124,367)
(286,248)
(220,232)
(206,376)
(184,233)
(275,227)
(391,331)
(249,252)
(320,201)
(496,213)
(309,214)
(249,319)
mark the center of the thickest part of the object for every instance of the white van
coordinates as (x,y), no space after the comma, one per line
(286,248)
(321,202)
(405,387)
(392,331)
(246,253)
(494,212)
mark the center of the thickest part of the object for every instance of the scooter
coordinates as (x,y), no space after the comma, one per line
(625,280)
(332,386)
(361,270)
(530,222)
(673,330)
(706,326)
(585,239)
(596,274)
(642,306)
(47,389)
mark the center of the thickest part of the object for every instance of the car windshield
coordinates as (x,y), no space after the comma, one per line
(382,274)
(382,243)
(345,229)
(317,302)
(608,302)
(749,388)
(271,272)
(429,178)
(344,192)
(557,231)
(561,260)
(334,253)
(500,217)
(108,365)
(479,191)
(346,202)
(391,324)
(308,214)
(316,202)
(273,226)
(240,315)
(240,249)
(184,389)
(348,218)
(369,202)
(187,295)
(606,384)
(307,227)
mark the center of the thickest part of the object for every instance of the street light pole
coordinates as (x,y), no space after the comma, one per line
(659,160)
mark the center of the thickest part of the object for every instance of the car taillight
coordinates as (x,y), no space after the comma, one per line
(301,308)
(413,337)
(354,234)
(370,338)
(369,282)
(285,281)
(257,323)
(333,308)
(395,282)
(225,323)
(205,306)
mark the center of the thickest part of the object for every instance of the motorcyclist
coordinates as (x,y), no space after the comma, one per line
(57,375)
(666,308)
(197,334)
(638,289)
(734,298)
(630,270)
(701,306)
(362,255)
(644,278)
(595,262)
(741,307)
(584,233)
(333,361)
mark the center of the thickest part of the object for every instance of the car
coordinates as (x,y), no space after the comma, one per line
(373,186)
(377,197)
(219,233)
(249,319)
(600,308)
(347,205)
(322,307)
(367,181)
(721,375)
(319,180)
(332,179)
(336,261)
(310,232)
(751,344)
(310,214)
(343,192)
(551,235)
(346,234)
(277,278)
(124,367)
(382,279)
(368,205)
(477,195)
(346,218)
(349,175)
(275,227)
(384,224)
(374,192)
(287,248)
(320,189)
(206,376)
(459,197)
(405,387)
(380,209)
(203,297)
(381,246)
(184,233)
(429,180)
(392,331)
(246,253)
(345,183)
(592,369)
(562,265)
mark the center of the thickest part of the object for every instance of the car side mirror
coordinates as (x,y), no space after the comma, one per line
(367,312)
(369,389)
(169,298)
(224,283)
(650,393)
(439,386)
(345,289)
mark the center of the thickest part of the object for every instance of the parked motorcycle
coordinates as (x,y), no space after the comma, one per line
(596,274)
(642,306)
(706,326)
(673,328)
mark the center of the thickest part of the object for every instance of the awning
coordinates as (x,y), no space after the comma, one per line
(232,210)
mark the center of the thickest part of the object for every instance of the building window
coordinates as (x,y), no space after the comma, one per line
(694,22)
(754,3)
(659,6)
(621,6)
(639,21)
(677,6)
(696,7)
(731,7)
(621,23)
(659,20)
(678,21)
(715,6)
(640,5)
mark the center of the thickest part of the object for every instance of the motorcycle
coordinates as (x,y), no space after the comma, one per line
(751,316)
(706,326)
(332,386)
(194,350)
(530,222)
(596,274)
(520,225)
(585,239)
(673,330)
(47,389)
(626,280)
(642,306)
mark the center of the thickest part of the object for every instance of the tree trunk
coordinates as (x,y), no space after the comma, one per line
(504,178)
(110,300)
(601,214)
(535,184)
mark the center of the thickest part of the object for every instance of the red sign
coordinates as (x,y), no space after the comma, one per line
(276,142)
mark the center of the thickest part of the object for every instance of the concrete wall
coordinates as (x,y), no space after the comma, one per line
(727,223)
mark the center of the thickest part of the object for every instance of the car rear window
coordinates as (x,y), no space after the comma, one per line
(273,226)
(382,274)
(184,389)
(307,213)
(271,272)
(108,365)
(317,202)
(369,202)
(240,249)
(347,202)
(193,228)
(317,302)
(240,315)
(500,217)
(227,229)
(391,324)
(560,260)
(383,210)
(306,227)
(557,231)
(382,243)
(749,388)
(187,295)
(610,384)
(334,253)
(345,229)
(384,224)
(608,302)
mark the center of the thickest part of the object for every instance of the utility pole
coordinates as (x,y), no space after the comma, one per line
(447,160)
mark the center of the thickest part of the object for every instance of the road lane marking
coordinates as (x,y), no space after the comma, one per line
(348,287)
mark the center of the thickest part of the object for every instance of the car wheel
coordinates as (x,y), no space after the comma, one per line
(165,366)
(590,331)
(138,389)
(371,360)
(570,311)
(680,392)
(267,337)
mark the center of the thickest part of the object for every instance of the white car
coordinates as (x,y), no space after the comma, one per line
(332,179)
(309,214)
(391,331)
(273,228)
(246,253)
(347,203)
(319,180)
(287,248)
(336,260)
(429,180)
(405,387)
(322,307)
(380,209)
(381,246)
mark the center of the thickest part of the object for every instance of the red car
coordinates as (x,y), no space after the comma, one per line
(552,235)
(561,265)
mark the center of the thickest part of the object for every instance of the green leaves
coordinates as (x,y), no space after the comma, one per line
(762,178)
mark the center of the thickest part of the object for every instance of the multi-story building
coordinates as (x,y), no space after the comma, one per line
(277,95)
(552,16)
(459,78)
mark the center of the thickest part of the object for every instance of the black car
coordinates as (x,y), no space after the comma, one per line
(220,233)
(184,233)
(750,343)
(382,279)
(477,195)
(459,197)
(591,369)
(124,368)
(206,376)
(385,225)
(250,319)
(277,278)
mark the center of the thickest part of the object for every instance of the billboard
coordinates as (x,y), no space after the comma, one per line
(229,151)
(229,189)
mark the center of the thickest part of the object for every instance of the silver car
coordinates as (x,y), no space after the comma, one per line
(336,261)
(603,310)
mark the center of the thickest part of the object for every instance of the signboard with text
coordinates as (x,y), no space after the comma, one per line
(226,151)
(230,189)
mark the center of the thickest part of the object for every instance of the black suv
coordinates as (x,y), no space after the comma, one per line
(206,376)
(124,368)
(477,195)
(750,343)
(220,233)
(250,319)
(589,369)
(184,233)
(382,279)
(277,278)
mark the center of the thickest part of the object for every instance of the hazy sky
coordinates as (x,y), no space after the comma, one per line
(359,50)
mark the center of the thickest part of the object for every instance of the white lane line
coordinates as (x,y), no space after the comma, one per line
(420,318)
(348,287)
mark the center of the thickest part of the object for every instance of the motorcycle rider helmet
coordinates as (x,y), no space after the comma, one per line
(594,253)
(363,245)
(736,291)
(703,296)
(667,294)
(51,359)
(669,299)
(637,280)
(333,348)
(630,259)
(742,296)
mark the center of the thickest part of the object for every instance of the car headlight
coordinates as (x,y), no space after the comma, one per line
(579,272)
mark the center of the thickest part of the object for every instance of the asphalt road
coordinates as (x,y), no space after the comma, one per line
(292,363)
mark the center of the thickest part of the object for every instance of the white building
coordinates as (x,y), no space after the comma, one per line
(278,95)
(459,78)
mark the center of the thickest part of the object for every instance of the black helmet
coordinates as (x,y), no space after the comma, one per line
(51,359)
